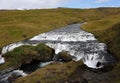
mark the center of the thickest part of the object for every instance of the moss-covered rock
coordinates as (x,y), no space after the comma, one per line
(25,54)
(64,56)
(44,52)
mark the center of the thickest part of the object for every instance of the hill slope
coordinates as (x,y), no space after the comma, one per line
(16,25)
(104,23)
(107,30)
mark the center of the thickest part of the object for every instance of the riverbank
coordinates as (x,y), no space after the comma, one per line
(107,30)
(67,43)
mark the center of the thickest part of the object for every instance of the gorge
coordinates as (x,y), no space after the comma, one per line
(78,43)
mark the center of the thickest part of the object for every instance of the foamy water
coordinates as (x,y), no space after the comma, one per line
(77,42)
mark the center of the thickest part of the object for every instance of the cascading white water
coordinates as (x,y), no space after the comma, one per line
(10,48)
(6,76)
(2,60)
(78,43)
(17,73)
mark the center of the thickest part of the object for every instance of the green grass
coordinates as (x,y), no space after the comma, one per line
(25,54)
(51,73)
(106,30)
(14,24)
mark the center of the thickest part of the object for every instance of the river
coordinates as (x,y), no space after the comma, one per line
(77,42)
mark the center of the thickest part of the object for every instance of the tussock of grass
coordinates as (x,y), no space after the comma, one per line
(64,56)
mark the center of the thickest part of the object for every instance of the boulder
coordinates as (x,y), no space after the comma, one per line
(65,56)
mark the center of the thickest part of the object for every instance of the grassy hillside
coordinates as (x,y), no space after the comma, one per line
(51,73)
(16,25)
(104,23)
(107,30)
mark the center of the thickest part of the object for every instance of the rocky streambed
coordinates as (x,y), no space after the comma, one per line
(77,42)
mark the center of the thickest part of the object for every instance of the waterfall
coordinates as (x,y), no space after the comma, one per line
(80,44)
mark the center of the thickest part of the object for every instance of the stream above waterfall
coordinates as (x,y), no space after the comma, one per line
(77,42)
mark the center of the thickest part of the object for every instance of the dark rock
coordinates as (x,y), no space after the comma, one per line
(38,81)
(13,77)
(84,81)
(64,56)
(98,64)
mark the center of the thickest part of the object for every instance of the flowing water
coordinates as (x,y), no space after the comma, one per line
(23,71)
(77,42)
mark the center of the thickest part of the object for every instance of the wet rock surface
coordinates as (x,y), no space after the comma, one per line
(84,74)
